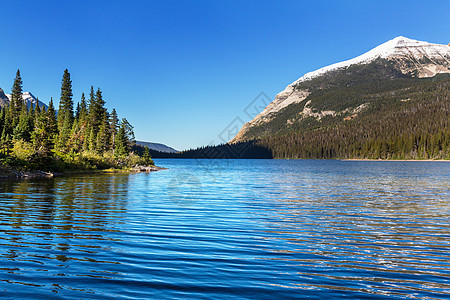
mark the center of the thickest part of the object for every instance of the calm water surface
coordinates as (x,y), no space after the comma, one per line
(251,229)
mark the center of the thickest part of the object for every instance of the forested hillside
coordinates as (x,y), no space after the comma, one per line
(364,111)
(401,123)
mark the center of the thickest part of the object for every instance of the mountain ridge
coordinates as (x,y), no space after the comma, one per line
(399,46)
(403,57)
(157,146)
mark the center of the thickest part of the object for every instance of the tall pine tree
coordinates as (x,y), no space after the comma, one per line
(16,103)
(114,125)
(65,112)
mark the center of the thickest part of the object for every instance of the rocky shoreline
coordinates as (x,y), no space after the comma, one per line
(16,174)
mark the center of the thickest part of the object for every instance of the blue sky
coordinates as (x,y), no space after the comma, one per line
(182,71)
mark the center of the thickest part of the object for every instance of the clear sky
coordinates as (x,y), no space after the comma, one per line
(182,71)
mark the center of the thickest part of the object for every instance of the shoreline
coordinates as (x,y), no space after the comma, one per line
(16,174)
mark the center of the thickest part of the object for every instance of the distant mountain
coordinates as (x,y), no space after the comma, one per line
(157,146)
(3,99)
(391,102)
(397,58)
(29,99)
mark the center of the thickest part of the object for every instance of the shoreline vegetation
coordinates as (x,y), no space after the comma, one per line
(38,141)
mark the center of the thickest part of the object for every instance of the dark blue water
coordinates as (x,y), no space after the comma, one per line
(251,229)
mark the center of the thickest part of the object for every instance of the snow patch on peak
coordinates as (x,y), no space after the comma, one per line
(397,47)
(28,98)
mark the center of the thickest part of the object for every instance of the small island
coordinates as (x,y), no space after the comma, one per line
(38,141)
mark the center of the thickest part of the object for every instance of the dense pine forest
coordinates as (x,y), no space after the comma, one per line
(406,123)
(87,137)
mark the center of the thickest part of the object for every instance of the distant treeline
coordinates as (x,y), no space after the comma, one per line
(250,149)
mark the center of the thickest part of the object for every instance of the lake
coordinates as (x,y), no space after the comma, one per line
(247,229)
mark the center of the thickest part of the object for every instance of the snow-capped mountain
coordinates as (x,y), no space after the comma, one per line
(410,57)
(29,99)
(427,58)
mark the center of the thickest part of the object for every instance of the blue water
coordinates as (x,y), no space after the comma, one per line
(247,229)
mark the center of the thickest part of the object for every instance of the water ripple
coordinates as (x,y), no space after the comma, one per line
(247,229)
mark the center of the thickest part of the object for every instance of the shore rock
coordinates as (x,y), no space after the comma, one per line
(140,168)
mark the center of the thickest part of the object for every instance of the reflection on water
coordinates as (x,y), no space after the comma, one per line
(48,225)
(231,229)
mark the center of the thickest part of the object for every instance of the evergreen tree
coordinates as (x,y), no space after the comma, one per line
(16,96)
(77,112)
(92,139)
(129,133)
(92,105)
(65,112)
(14,108)
(64,136)
(22,129)
(52,124)
(125,138)
(122,148)
(103,137)
(96,109)
(83,109)
(114,127)
(147,157)
(42,136)
(31,116)
(37,110)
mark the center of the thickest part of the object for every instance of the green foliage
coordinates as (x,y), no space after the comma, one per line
(39,138)
(16,103)
(6,143)
(96,109)
(405,124)
(114,128)
(146,156)
(121,142)
(23,128)
(65,112)
(42,135)
(23,150)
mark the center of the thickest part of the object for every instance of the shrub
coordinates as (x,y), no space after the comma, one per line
(23,150)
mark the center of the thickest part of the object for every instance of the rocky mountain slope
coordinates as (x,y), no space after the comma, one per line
(3,99)
(345,90)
